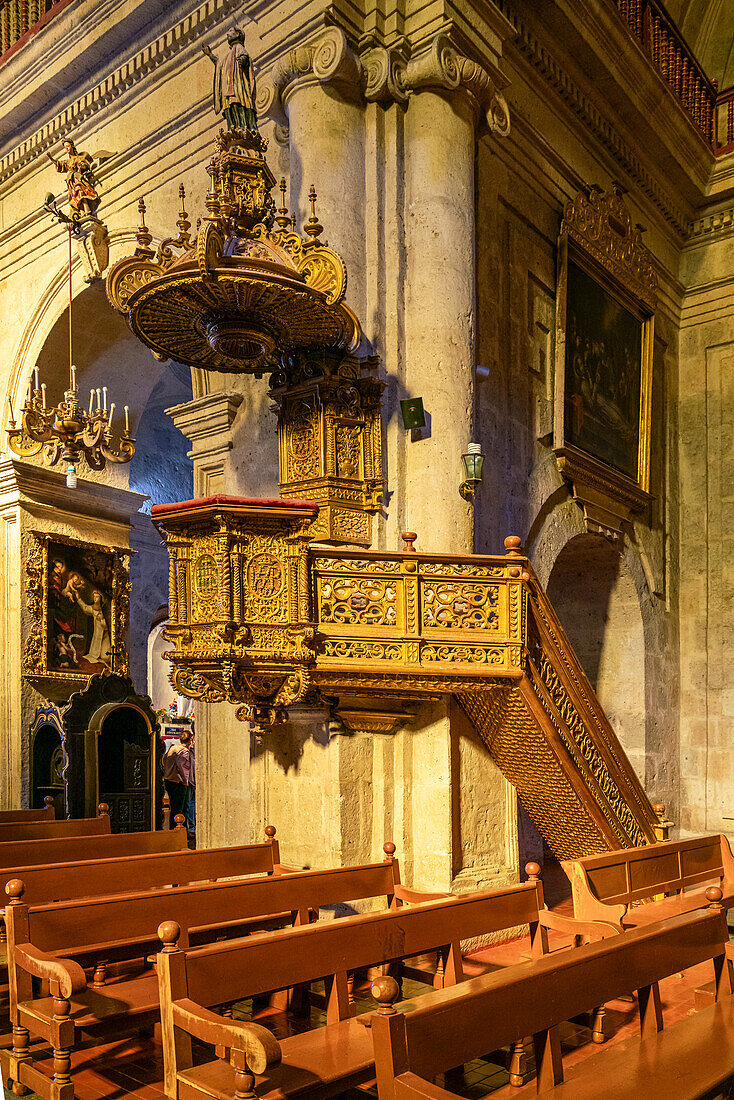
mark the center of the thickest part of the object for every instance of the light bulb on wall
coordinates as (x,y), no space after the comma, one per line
(71,476)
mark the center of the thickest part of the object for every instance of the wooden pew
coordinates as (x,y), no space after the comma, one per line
(417,1043)
(607,886)
(59,942)
(15,831)
(128,873)
(48,813)
(33,853)
(327,1060)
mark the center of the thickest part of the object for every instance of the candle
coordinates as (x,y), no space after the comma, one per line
(127,420)
(104,398)
(91,401)
(35,374)
(43,393)
(112,409)
(73,378)
(12,414)
(98,399)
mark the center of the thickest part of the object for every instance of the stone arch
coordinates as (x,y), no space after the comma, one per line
(594,593)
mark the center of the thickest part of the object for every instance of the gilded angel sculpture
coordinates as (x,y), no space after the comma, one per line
(81,182)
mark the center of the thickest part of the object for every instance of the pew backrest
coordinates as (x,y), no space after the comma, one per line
(34,853)
(9,817)
(620,879)
(53,830)
(125,874)
(224,972)
(417,1041)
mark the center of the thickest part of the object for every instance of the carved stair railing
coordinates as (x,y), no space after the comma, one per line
(263,619)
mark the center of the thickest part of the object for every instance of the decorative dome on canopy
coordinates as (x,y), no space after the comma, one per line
(247,288)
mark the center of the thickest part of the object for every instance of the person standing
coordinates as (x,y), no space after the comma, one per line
(191,804)
(177,767)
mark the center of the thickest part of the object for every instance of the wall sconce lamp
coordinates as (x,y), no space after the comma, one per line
(473,461)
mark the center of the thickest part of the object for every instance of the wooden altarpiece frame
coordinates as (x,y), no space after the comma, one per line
(607,342)
(39,662)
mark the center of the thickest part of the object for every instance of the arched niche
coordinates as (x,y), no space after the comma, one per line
(48,760)
(115,753)
(106,353)
(596,599)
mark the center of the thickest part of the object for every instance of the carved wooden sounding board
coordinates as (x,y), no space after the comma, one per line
(260,618)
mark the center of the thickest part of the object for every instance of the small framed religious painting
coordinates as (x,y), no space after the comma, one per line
(78,597)
(605,308)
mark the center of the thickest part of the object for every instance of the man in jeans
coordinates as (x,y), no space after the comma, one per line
(177,768)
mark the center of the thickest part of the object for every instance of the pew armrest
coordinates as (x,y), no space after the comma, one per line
(593,929)
(281,869)
(259,1045)
(69,974)
(415,897)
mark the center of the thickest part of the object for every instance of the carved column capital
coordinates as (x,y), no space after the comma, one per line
(326,58)
(441,67)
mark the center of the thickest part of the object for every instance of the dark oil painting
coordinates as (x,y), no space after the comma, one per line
(79,609)
(603,371)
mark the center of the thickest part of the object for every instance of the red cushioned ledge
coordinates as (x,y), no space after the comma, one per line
(227,501)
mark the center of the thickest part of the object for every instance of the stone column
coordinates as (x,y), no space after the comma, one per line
(316,90)
(450,92)
(207,422)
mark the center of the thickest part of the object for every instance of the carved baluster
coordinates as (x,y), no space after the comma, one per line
(62,1054)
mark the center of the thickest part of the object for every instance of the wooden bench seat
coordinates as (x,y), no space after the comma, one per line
(73,944)
(325,1061)
(629,886)
(417,1043)
(308,1067)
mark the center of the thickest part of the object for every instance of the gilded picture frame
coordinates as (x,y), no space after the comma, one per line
(605,318)
(78,597)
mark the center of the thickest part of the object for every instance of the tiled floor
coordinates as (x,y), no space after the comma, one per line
(132,1067)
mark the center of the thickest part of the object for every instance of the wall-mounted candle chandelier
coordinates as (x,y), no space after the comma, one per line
(68,432)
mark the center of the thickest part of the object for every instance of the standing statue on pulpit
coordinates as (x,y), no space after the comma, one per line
(234,83)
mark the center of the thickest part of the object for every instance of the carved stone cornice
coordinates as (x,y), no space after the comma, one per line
(441,67)
(379,73)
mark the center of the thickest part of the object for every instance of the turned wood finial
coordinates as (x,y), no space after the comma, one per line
(532,870)
(179,821)
(168,934)
(512,546)
(48,800)
(714,896)
(385,991)
(15,890)
(659,808)
(270,831)
(389,849)
(103,810)
(408,538)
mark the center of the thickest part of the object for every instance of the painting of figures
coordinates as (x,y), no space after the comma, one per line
(79,609)
(602,374)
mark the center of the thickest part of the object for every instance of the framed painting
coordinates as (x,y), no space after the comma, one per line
(78,598)
(605,310)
